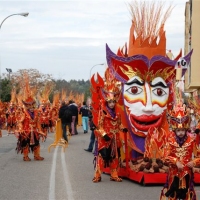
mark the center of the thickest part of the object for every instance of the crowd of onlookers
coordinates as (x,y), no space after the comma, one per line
(72,115)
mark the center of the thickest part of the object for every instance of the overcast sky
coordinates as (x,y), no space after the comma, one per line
(67,38)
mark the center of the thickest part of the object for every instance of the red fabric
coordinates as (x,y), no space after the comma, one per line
(197,139)
(197,178)
(154,178)
(135,176)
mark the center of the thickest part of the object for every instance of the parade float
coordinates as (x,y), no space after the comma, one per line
(147,77)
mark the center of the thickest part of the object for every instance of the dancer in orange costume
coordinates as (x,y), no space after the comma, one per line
(30,132)
(10,113)
(108,130)
(44,110)
(54,111)
(178,153)
(2,117)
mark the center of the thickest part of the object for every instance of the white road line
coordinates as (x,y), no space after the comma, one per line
(66,178)
(53,176)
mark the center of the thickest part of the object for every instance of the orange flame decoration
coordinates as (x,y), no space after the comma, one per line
(148,19)
(79,98)
(19,97)
(44,96)
(102,91)
(13,96)
(63,95)
(95,89)
(28,92)
(56,98)
(70,96)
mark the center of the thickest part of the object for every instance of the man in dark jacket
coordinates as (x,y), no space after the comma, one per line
(65,120)
(74,108)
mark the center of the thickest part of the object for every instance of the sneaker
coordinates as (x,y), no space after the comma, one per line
(88,150)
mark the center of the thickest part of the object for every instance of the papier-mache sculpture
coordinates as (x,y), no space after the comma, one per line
(147,78)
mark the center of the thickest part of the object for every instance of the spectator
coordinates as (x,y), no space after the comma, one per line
(84,111)
(92,136)
(65,120)
(74,108)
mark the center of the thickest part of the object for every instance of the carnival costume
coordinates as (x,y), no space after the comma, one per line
(2,117)
(54,111)
(29,131)
(10,113)
(179,183)
(108,123)
(44,110)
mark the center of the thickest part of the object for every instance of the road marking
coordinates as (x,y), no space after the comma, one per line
(53,176)
(66,177)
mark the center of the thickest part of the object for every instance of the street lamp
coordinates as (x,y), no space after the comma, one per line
(93,67)
(9,71)
(21,14)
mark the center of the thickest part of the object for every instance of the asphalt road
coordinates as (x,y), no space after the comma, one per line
(63,175)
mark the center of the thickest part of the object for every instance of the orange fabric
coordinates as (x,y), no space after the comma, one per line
(111,127)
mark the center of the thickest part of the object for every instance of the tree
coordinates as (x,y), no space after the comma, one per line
(5,92)
(39,80)
(35,77)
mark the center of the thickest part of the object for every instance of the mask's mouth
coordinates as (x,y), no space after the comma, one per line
(144,122)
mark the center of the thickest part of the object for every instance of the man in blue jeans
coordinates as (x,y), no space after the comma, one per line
(92,136)
(84,111)
(65,121)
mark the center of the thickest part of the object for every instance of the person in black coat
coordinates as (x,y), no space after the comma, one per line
(74,108)
(65,120)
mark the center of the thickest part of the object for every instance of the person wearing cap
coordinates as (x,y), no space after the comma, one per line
(178,154)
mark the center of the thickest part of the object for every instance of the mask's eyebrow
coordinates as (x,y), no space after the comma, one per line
(161,84)
(135,81)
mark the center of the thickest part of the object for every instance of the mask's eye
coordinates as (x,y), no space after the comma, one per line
(159,92)
(134,90)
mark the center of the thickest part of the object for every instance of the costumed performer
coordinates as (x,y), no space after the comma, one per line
(108,123)
(181,154)
(30,132)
